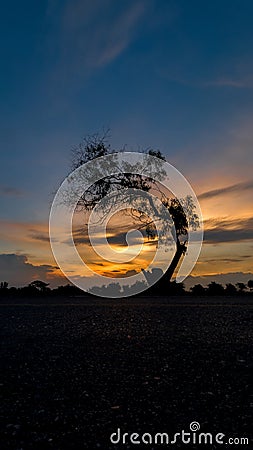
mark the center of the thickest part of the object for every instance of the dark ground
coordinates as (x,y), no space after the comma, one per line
(74,370)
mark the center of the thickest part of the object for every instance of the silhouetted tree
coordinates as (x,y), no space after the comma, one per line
(116,290)
(4,288)
(230,289)
(97,146)
(215,288)
(67,291)
(250,285)
(4,285)
(198,289)
(176,288)
(241,287)
(39,285)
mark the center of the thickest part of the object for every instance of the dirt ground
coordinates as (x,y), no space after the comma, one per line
(75,370)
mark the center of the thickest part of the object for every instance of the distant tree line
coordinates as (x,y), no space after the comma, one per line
(38,288)
(229,289)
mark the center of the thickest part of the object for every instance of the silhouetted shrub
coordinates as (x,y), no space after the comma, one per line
(230,289)
(215,289)
(198,289)
(250,285)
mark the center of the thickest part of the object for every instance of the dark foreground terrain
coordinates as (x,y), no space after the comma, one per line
(75,370)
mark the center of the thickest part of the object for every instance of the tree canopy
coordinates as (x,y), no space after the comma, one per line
(128,178)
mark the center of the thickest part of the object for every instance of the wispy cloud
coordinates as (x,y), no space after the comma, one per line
(42,236)
(120,35)
(238,188)
(228,82)
(227,260)
(115,234)
(10,191)
(93,34)
(237,75)
(228,230)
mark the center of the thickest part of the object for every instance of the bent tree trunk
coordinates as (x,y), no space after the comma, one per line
(181,249)
(164,281)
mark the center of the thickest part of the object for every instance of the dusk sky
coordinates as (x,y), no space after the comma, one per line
(170,75)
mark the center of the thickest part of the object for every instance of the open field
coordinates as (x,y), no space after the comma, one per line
(76,369)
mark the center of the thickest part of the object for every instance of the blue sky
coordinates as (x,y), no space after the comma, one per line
(174,75)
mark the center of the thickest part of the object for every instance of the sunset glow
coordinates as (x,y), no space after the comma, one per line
(162,86)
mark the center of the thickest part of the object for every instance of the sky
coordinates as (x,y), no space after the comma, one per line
(171,75)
